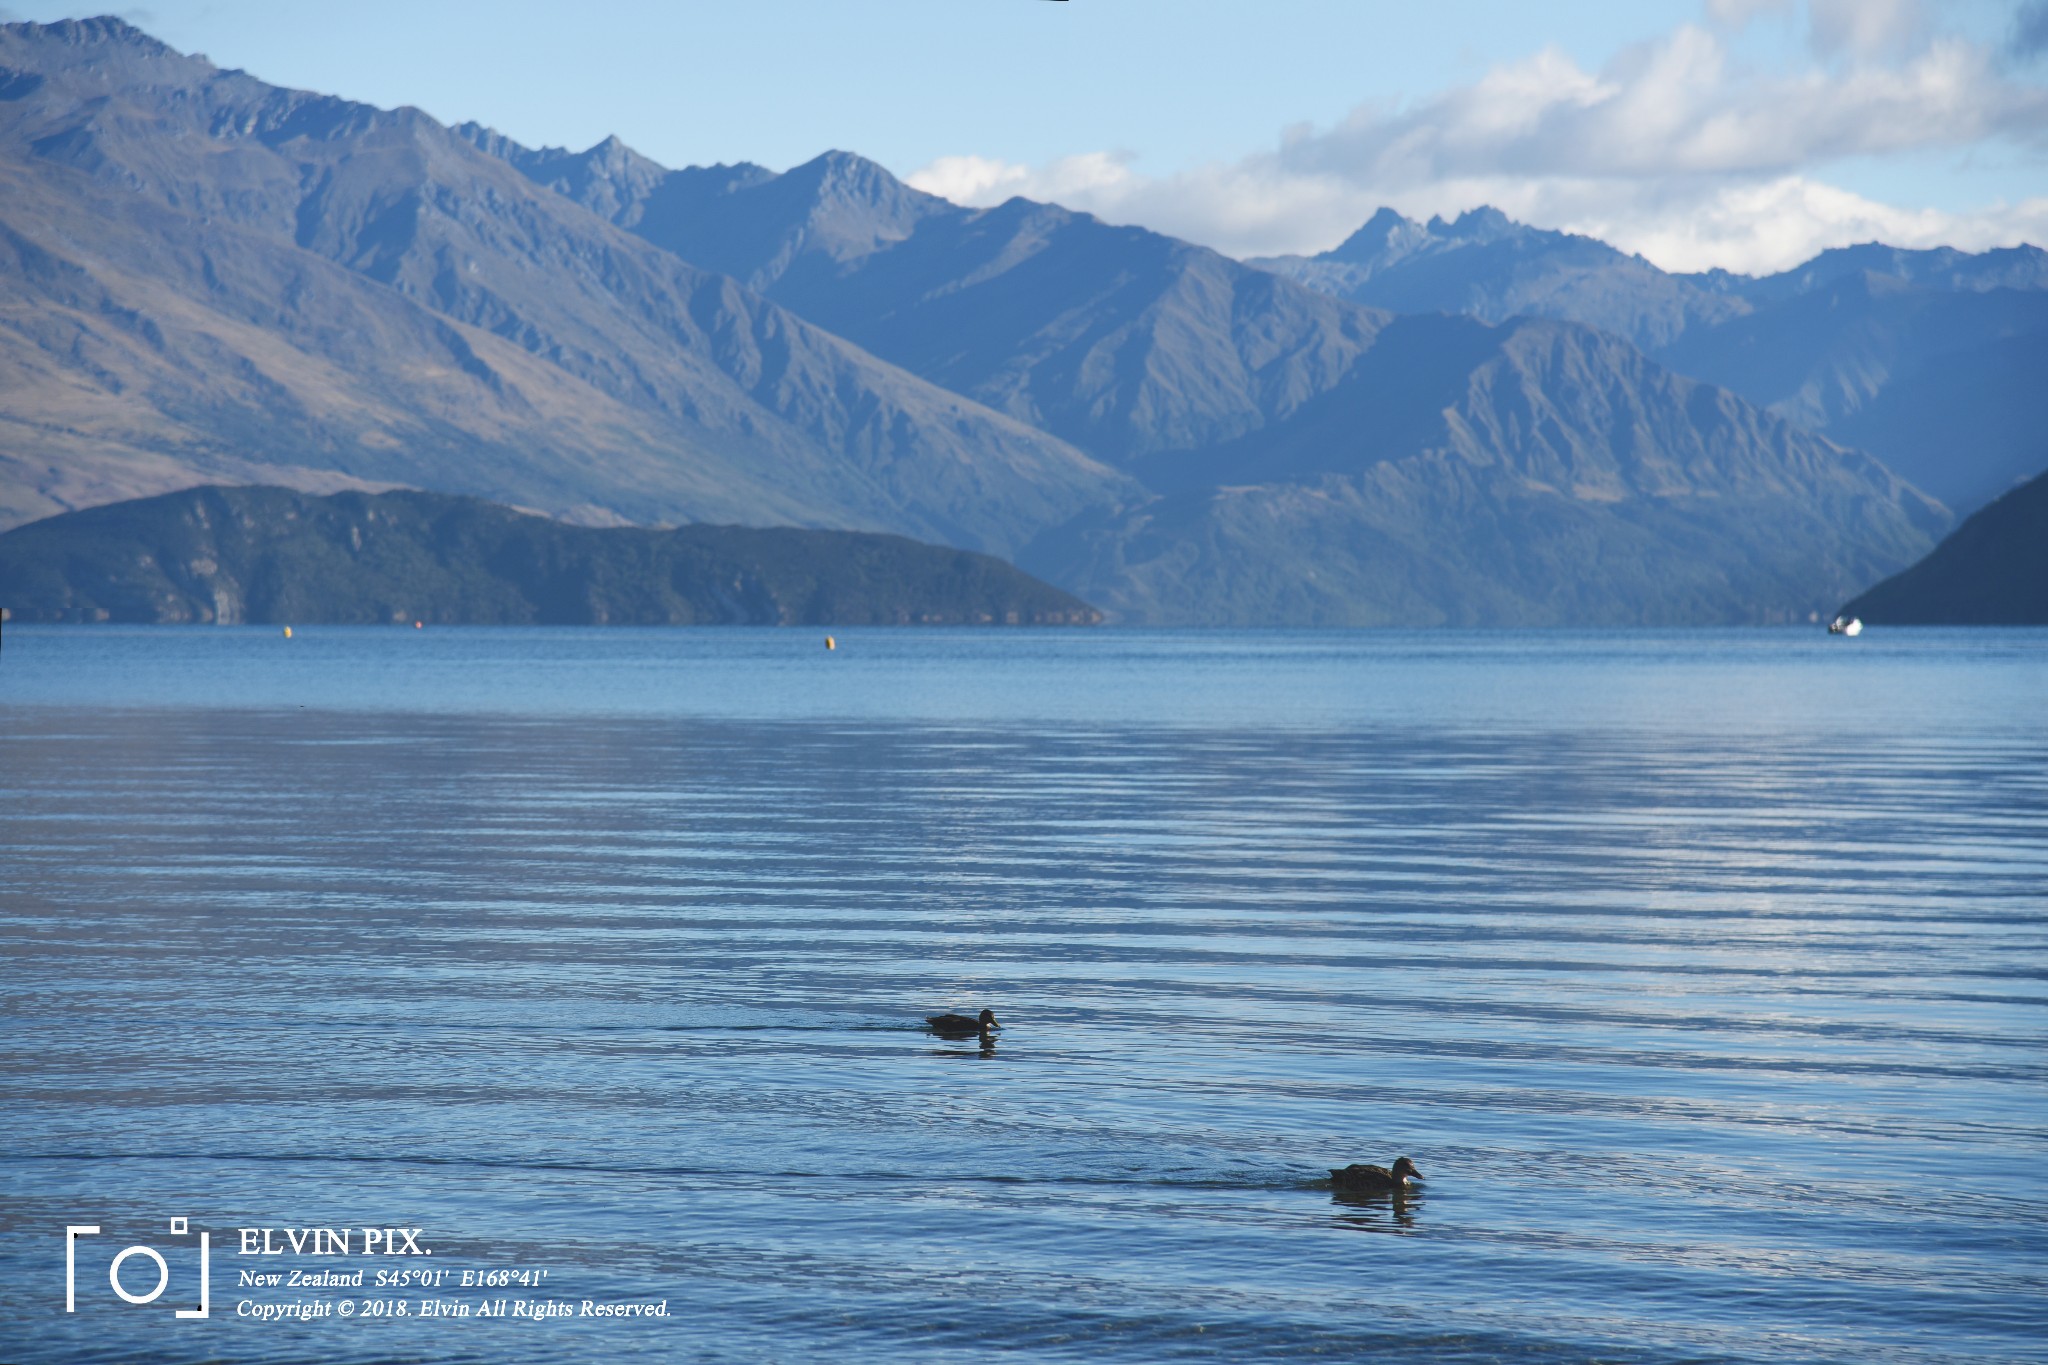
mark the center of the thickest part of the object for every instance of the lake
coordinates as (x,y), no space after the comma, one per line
(1704,976)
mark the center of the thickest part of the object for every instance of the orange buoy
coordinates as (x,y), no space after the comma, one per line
(831,643)
(419,625)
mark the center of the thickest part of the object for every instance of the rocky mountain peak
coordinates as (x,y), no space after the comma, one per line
(843,178)
(103,30)
(609,178)
(111,49)
(850,205)
(1386,235)
(1482,224)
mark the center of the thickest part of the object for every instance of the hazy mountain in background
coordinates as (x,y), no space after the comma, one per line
(1492,267)
(1992,571)
(1933,360)
(1939,268)
(1537,473)
(207,277)
(1948,386)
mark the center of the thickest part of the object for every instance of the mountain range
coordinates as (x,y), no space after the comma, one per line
(208,276)
(209,279)
(1932,360)
(1485,264)
(1259,418)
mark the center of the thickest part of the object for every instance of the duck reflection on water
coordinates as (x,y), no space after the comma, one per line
(1386,1212)
(985,1047)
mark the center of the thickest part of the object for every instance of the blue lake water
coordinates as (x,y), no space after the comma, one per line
(1704,975)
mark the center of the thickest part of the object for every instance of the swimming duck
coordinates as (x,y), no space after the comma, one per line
(962,1025)
(1361,1179)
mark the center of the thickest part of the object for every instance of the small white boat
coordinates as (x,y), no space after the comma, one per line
(1845,625)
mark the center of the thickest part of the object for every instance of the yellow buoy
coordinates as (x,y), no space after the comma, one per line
(831,643)
(287,632)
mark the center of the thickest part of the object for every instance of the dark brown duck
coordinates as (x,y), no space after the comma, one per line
(962,1025)
(1358,1178)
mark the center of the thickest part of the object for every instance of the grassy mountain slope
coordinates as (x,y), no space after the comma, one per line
(1991,571)
(212,275)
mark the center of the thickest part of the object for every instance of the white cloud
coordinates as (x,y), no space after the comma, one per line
(1776,224)
(984,180)
(1679,106)
(1674,149)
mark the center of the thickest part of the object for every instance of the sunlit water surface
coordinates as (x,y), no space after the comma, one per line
(1701,974)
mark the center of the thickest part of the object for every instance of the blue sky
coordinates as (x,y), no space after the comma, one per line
(1736,132)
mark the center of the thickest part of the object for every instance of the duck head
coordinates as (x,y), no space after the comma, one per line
(988,1020)
(1404,1170)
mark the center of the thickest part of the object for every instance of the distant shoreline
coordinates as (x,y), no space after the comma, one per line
(276,557)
